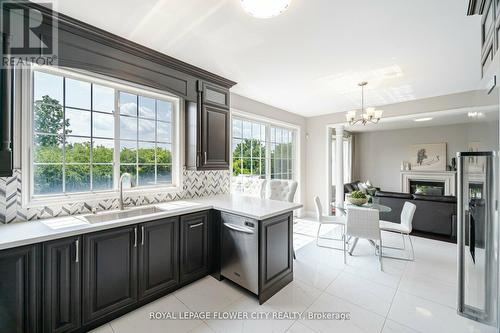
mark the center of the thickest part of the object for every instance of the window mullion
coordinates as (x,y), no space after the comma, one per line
(116,139)
(91,167)
(64,139)
(137,141)
(156,143)
(268,151)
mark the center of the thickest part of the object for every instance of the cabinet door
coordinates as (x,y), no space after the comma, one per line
(194,246)
(19,289)
(276,252)
(215,95)
(215,142)
(158,257)
(110,272)
(61,285)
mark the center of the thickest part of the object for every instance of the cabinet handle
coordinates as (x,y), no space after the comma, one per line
(196,225)
(135,237)
(205,157)
(142,235)
(77,250)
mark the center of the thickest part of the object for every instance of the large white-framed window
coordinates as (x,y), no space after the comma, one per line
(262,149)
(81,131)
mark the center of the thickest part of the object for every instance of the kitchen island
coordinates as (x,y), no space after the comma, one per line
(78,272)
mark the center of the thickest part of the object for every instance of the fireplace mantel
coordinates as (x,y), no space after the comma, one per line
(447,177)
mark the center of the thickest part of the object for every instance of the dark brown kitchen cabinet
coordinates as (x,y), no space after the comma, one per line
(158,257)
(194,246)
(208,129)
(62,285)
(215,95)
(275,255)
(109,272)
(20,289)
(215,143)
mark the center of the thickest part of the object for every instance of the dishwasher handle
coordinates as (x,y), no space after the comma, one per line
(238,228)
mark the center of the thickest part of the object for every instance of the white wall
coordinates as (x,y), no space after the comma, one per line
(378,155)
(259,109)
(316,149)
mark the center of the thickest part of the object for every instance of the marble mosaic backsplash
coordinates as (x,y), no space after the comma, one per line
(195,184)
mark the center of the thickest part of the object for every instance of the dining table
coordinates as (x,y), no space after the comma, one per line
(343,209)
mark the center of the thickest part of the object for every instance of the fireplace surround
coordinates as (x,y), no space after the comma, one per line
(445,179)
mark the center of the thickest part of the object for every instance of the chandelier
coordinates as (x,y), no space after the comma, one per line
(368,115)
(265,8)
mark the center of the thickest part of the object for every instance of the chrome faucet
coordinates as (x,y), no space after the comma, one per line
(120,188)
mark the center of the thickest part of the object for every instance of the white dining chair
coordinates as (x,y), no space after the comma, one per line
(404,228)
(282,190)
(364,223)
(255,188)
(331,220)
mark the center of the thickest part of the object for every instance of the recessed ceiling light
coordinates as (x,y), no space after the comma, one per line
(475,114)
(423,119)
(265,8)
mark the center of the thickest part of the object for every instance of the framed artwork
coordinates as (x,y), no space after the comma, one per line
(428,157)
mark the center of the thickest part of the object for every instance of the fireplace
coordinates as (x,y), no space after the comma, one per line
(440,182)
(427,187)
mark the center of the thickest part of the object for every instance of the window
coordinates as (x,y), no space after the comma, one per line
(86,131)
(282,153)
(249,148)
(262,150)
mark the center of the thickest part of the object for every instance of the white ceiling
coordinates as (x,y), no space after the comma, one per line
(469,115)
(308,60)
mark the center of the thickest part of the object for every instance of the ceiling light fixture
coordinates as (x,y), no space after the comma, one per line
(423,119)
(265,8)
(370,115)
(475,114)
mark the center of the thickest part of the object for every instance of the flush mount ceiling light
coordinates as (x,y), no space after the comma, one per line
(475,114)
(265,8)
(368,115)
(423,119)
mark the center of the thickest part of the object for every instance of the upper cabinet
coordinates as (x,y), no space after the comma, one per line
(207,129)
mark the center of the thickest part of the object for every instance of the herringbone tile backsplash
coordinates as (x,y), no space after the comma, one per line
(195,184)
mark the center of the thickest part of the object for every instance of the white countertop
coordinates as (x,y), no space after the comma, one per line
(24,233)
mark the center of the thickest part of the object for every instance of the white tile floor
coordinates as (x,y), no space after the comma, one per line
(414,296)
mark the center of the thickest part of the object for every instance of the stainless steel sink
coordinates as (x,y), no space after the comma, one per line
(106,217)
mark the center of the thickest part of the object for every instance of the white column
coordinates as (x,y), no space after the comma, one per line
(339,165)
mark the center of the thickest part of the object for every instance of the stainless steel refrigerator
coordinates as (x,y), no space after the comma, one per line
(478,237)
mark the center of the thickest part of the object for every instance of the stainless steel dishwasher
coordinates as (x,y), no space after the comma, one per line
(240,251)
